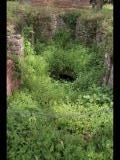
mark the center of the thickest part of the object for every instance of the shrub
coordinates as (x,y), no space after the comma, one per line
(64,130)
(70,19)
(79,60)
(52,118)
(62,38)
(39,47)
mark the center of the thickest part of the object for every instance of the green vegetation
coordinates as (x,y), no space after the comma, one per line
(53,117)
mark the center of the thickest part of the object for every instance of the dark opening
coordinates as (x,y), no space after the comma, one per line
(64,75)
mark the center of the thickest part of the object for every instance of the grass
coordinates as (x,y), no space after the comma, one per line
(50,119)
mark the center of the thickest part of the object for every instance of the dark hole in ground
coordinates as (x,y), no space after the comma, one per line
(65,75)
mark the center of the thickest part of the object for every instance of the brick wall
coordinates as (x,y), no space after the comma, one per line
(13,82)
(37,2)
(71,3)
(59,3)
(14,47)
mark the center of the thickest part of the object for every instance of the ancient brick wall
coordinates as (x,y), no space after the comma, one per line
(14,47)
(37,2)
(60,3)
(71,3)
(13,82)
(41,2)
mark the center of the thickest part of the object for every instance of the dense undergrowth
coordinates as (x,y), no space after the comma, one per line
(53,118)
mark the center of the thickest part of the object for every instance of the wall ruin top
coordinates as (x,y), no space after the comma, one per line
(59,3)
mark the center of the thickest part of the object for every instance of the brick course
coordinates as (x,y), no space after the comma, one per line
(60,3)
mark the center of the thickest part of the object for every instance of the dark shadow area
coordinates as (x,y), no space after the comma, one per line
(64,75)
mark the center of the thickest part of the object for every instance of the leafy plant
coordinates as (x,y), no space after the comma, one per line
(70,19)
(53,119)
(62,38)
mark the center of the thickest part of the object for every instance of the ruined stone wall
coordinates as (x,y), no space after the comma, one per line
(71,3)
(14,47)
(45,26)
(98,31)
(87,30)
(59,3)
(41,2)
(37,2)
(13,82)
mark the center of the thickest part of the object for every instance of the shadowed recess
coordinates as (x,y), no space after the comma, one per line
(64,75)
